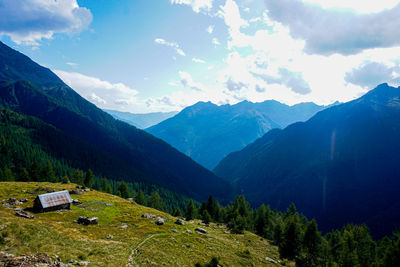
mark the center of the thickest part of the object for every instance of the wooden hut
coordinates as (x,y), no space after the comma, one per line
(52,201)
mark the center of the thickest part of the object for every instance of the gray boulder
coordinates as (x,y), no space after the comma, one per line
(160,221)
(87,221)
(180,222)
(201,230)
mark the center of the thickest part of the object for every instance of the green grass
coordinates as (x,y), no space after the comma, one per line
(55,233)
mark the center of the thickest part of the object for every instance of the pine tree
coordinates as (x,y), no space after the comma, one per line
(206,217)
(261,221)
(123,190)
(177,212)
(77,177)
(89,178)
(211,206)
(291,241)
(140,198)
(8,175)
(190,210)
(392,255)
(24,175)
(34,171)
(48,174)
(291,210)
(312,244)
(155,201)
(277,235)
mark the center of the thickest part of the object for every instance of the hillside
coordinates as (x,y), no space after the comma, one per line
(134,240)
(141,121)
(207,132)
(341,166)
(30,89)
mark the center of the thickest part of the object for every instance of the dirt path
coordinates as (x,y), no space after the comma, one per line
(131,261)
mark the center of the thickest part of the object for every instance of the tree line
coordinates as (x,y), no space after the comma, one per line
(298,238)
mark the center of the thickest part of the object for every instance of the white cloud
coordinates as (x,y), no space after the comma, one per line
(97,99)
(210,29)
(103,93)
(330,31)
(215,41)
(370,74)
(187,81)
(197,5)
(29,21)
(198,60)
(72,64)
(174,45)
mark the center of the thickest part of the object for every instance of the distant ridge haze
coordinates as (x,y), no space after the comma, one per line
(207,132)
(142,120)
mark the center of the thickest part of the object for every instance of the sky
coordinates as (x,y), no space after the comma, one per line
(147,56)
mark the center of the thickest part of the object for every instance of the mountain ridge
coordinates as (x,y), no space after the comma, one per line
(331,165)
(208,132)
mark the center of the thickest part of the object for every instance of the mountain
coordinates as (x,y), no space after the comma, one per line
(141,121)
(132,154)
(207,132)
(341,166)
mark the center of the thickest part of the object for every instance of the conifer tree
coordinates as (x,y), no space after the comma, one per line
(206,217)
(190,210)
(48,174)
(34,171)
(261,221)
(291,241)
(123,190)
(312,244)
(89,178)
(155,201)
(177,212)
(140,198)
(8,175)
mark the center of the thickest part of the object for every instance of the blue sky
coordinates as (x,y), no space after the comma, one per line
(162,55)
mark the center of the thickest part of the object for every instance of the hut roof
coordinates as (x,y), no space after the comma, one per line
(55,199)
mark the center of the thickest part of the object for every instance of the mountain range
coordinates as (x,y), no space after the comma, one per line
(109,147)
(141,121)
(207,132)
(341,166)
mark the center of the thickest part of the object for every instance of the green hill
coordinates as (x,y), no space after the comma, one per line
(135,240)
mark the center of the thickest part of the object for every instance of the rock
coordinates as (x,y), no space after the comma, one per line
(83,263)
(109,236)
(2,227)
(180,222)
(76,192)
(160,221)
(87,221)
(23,200)
(271,260)
(174,230)
(202,224)
(148,216)
(227,232)
(124,226)
(40,259)
(189,231)
(76,202)
(185,246)
(11,202)
(201,230)
(24,214)
(129,199)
